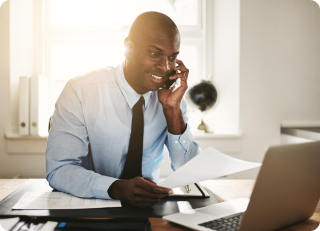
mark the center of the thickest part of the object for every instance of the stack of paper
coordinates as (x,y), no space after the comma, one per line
(60,200)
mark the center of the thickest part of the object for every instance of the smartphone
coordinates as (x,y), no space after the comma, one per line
(170,81)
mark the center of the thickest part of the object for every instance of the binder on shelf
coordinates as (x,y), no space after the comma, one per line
(24,105)
(39,117)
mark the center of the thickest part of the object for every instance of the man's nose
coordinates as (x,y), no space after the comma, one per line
(163,65)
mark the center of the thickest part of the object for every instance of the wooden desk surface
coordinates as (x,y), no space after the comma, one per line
(223,189)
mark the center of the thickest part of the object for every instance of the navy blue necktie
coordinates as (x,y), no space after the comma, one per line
(132,167)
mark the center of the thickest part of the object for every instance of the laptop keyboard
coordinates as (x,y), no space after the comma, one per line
(230,223)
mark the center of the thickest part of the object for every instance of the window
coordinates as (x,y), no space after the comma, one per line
(83,35)
(67,40)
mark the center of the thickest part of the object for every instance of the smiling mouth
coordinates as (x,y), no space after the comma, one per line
(155,76)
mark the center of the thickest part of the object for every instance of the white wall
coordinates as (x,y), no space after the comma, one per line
(4,79)
(279,70)
(224,118)
(12,165)
(22,52)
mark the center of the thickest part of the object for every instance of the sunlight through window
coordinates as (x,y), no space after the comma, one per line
(82,36)
(119,13)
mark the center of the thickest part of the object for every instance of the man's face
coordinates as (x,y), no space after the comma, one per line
(153,58)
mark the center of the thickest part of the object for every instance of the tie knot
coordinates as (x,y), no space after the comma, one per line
(140,102)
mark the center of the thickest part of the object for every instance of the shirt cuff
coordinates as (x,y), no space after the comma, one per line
(182,141)
(100,190)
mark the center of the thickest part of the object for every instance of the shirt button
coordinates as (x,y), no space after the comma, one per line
(176,141)
(184,141)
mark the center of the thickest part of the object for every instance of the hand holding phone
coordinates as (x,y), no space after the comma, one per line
(171,99)
(179,72)
(169,82)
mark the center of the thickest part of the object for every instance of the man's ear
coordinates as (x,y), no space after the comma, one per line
(128,47)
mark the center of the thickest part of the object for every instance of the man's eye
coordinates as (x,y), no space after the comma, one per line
(155,54)
(172,58)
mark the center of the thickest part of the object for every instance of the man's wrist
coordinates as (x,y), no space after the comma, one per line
(171,109)
(175,122)
(114,190)
(172,106)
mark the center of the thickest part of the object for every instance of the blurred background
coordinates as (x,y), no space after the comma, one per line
(262,56)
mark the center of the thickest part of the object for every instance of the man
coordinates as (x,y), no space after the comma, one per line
(93,145)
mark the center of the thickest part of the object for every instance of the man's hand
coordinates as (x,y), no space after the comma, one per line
(139,192)
(171,100)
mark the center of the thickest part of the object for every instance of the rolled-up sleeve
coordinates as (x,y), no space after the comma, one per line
(183,147)
(68,147)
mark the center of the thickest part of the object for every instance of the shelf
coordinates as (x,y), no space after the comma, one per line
(208,136)
(19,144)
(309,130)
(303,132)
(16,136)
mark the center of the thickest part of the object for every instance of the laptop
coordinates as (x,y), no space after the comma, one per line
(287,191)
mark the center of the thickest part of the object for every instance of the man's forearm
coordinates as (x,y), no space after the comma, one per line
(80,182)
(175,122)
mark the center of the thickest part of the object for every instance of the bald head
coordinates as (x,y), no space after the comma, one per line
(151,50)
(145,21)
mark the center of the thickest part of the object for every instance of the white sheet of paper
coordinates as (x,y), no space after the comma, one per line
(60,200)
(7,223)
(49,226)
(207,165)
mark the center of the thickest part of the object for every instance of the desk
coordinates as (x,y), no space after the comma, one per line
(223,189)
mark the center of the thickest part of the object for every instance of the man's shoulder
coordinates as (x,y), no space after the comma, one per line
(98,76)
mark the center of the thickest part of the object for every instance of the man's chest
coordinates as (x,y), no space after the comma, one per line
(109,120)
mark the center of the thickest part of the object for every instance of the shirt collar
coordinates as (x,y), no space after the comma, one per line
(128,92)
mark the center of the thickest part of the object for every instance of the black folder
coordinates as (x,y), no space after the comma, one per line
(166,206)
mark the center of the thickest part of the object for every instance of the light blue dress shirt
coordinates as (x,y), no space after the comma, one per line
(94,112)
